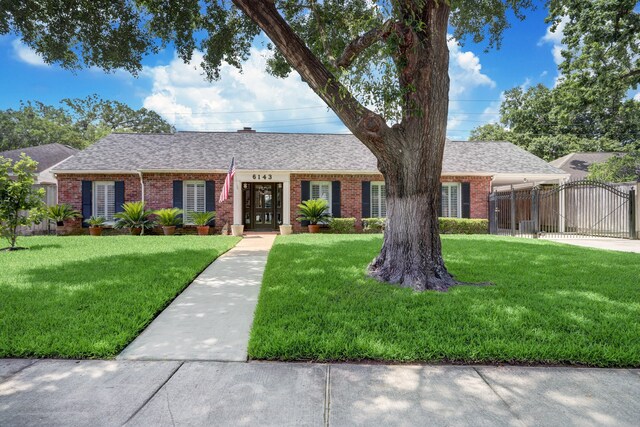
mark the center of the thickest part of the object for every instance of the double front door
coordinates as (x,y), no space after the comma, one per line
(262,205)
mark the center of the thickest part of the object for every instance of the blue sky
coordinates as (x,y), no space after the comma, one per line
(178,91)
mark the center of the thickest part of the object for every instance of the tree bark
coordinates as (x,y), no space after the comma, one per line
(410,153)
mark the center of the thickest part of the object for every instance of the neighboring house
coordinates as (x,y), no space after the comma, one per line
(275,172)
(48,156)
(577,164)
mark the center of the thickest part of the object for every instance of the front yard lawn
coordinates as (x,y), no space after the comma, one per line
(551,303)
(89,297)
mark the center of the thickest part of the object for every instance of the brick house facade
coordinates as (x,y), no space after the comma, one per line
(275,172)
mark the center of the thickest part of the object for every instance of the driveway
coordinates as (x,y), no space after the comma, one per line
(622,245)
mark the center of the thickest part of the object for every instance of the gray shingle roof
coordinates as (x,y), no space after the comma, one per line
(282,151)
(577,164)
(46,155)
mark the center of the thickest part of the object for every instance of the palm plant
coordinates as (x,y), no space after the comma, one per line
(169,217)
(61,213)
(96,221)
(134,217)
(202,218)
(314,211)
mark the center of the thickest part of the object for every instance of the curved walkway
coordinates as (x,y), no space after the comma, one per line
(211,318)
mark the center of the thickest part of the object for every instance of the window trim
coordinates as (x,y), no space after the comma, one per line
(459,189)
(184,198)
(94,200)
(330,196)
(380,199)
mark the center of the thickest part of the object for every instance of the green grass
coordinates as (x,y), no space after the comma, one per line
(88,297)
(550,304)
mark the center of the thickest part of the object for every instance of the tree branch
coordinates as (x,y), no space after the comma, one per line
(630,73)
(323,33)
(358,45)
(366,125)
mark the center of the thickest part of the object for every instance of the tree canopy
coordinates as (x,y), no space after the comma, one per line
(624,168)
(77,122)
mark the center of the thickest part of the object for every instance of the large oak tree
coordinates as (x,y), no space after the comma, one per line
(381,66)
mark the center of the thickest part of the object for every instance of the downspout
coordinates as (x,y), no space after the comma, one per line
(142,192)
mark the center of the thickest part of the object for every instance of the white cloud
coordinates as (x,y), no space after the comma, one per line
(637,97)
(25,54)
(181,95)
(555,39)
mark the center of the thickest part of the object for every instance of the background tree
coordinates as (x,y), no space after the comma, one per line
(21,204)
(624,168)
(78,122)
(589,109)
(391,55)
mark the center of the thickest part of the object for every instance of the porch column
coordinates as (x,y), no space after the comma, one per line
(286,201)
(237,201)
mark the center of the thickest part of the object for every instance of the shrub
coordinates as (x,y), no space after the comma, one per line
(373,225)
(342,225)
(96,221)
(134,216)
(463,226)
(314,211)
(169,217)
(201,219)
(61,213)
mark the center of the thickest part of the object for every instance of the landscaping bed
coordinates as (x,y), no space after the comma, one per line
(550,304)
(88,297)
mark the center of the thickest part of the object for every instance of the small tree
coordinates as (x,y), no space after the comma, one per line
(20,203)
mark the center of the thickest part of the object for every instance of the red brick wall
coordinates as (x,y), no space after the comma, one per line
(158,190)
(351,193)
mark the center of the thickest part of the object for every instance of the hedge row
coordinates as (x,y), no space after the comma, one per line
(376,225)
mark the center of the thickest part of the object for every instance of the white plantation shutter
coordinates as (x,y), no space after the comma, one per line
(322,190)
(383,201)
(375,201)
(104,199)
(451,200)
(194,198)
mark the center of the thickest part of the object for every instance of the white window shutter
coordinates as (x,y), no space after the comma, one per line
(375,201)
(383,201)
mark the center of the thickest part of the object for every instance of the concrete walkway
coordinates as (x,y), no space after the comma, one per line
(144,393)
(622,245)
(212,318)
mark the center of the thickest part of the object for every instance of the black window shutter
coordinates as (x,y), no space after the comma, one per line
(210,198)
(366,199)
(440,202)
(177,194)
(87,201)
(466,200)
(119,195)
(305,192)
(335,199)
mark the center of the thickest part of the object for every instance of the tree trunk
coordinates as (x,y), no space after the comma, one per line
(409,153)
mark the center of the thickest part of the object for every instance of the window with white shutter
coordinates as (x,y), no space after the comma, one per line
(104,203)
(451,200)
(378,200)
(321,190)
(194,198)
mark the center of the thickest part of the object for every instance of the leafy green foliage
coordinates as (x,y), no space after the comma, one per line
(61,213)
(463,226)
(169,217)
(21,204)
(96,221)
(202,218)
(134,216)
(78,123)
(342,225)
(624,168)
(573,305)
(373,225)
(77,297)
(314,211)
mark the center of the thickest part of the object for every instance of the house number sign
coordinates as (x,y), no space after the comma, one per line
(259,177)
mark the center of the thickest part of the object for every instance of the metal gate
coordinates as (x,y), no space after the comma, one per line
(576,209)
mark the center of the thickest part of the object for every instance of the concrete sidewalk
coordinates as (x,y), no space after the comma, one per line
(212,318)
(622,245)
(143,393)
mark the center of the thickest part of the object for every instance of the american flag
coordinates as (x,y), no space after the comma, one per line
(226,188)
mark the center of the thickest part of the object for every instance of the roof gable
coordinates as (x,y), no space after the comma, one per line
(46,155)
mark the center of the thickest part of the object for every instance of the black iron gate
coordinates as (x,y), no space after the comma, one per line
(575,209)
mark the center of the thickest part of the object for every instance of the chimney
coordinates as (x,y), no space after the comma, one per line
(246,129)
